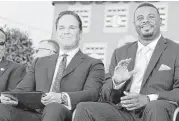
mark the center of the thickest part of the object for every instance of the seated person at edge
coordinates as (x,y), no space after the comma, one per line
(11,73)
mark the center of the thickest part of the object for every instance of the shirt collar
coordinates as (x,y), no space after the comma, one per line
(151,45)
(70,53)
(1,59)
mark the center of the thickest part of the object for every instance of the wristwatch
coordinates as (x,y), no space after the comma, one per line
(64,98)
(148,98)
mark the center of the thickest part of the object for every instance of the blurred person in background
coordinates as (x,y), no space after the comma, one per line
(46,48)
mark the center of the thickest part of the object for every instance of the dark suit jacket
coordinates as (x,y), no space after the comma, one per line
(164,83)
(10,75)
(82,79)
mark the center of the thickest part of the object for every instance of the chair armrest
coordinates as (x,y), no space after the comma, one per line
(73,115)
(175,114)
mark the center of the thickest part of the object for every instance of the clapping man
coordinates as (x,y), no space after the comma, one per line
(148,89)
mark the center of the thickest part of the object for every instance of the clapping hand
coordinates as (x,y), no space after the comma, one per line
(121,73)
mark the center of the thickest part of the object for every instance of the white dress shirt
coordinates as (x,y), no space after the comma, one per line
(70,54)
(143,56)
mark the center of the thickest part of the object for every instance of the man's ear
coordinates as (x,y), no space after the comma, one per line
(134,24)
(80,35)
(160,21)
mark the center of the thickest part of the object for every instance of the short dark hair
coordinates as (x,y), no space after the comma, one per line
(1,30)
(61,14)
(146,4)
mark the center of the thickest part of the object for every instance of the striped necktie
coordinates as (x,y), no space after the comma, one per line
(61,69)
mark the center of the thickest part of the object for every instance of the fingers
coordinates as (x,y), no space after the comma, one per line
(119,68)
(46,102)
(131,101)
(46,97)
(10,102)
(124,62)
(7,100)
(127,102)
(129,96)
(126,98)
(122,65)
(132,108)
(129,106)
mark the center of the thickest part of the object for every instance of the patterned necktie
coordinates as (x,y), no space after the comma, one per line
(61,69)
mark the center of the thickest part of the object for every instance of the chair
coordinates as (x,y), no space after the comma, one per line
(176,114)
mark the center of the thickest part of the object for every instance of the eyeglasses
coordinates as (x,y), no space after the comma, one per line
(2,43)
(37,50)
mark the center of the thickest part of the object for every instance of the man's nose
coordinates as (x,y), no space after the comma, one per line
(66,31)
(144,21)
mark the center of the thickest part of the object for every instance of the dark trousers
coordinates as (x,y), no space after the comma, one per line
(158,110)
(52,112)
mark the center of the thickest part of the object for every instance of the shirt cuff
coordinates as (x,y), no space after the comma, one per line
(117,86)
(153,97)
(66,100)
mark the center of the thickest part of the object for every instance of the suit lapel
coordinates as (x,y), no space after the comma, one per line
(3,66)
(52,60)
(76,60)
(160,47)
(131,53)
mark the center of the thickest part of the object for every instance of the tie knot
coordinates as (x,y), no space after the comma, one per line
(64,55)
(145,49)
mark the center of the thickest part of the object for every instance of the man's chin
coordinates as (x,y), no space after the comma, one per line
(147,35)
(68,47)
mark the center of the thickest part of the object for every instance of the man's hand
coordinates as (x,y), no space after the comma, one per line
(8,100)
(51,97)
(132,101)
(121,73)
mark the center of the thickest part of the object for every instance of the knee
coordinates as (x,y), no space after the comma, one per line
(4,108)
(5,112)
(84,106)
(156,106)
(55,107)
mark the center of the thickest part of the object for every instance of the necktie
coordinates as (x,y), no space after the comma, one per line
(61,69)
(140,67)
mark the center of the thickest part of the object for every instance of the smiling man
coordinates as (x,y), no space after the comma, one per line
(67,78)
(143,82)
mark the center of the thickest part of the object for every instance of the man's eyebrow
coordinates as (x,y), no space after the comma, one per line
(139,16)
(151,14)
(60,25)
(73,26)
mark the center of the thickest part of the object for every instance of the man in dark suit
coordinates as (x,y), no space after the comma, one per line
(10,73)
(143,81)
(67,79)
